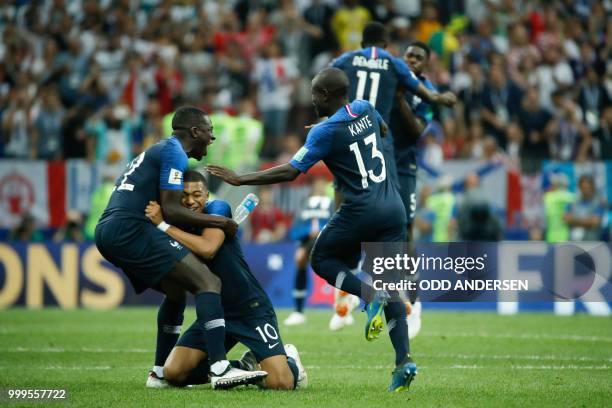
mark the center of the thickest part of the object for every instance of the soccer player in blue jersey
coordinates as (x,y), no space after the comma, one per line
(126,238)
(409,117)
(371,209)
(249,316)
(375,75)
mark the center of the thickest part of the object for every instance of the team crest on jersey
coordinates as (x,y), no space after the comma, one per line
(300,154)
(175,177)
(175,244)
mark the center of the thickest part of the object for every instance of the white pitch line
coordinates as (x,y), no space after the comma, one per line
(467,366)
(526,336)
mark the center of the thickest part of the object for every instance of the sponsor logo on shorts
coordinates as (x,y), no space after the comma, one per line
(271,346)
(176,245)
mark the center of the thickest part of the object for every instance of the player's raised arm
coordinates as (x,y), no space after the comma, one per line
(278,174)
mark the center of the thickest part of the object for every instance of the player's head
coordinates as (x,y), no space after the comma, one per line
(375,35)
(195,129)
(329,91)
(195,191)
(416,56)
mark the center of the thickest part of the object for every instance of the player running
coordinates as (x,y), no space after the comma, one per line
(249,316)
(126,238)
(409,117)
(375,74)
(371,210)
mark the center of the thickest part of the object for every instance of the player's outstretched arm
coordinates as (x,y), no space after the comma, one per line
(278,174)
(433,97)
(205,245)
(175,213)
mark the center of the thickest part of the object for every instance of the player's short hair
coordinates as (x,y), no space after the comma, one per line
(373,33)
(422,45)
(195,176)
(186,117)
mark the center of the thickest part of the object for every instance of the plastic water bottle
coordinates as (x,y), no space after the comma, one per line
(245,207)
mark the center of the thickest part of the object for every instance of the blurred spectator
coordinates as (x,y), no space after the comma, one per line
(72,231)
(570,138)
(533,119)
(111,133)
(556,202)
(500,97)
(15,127)
(320,39)
(554,74)
(592,99)
(98,201)
(442,205)
(268,223)
(603,136)
(47,119)
(424,217)
(585,215)
(275,78)
(26,230)
(428,23)
(348,23)
(433,155)
(475,218)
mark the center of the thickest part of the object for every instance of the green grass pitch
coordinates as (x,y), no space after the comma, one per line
(465,359)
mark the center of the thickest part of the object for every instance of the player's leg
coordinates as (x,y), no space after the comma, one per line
(299,290)
(395,314)
(169,321)
(261,335)
(413,306)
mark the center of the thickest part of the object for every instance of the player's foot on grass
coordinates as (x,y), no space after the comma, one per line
(295,319)
(153,381)
(403,375)
(302,381)
(413,319)
(374,309)
(225,376)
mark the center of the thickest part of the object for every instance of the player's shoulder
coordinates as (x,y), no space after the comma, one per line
(218,207)
(350,112)
(343,58)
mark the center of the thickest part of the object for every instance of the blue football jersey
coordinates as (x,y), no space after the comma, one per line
(406,148)
(349,143)
(374,75)
(160,167)
(241,293)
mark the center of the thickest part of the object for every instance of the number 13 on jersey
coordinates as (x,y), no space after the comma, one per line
(365,174)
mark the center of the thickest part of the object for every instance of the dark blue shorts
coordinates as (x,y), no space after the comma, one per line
(259,333)
(408,193)
(143,252)
(341,238)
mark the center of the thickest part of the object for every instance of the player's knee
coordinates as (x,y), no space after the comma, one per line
(277,382)
(174,374)
(211,283)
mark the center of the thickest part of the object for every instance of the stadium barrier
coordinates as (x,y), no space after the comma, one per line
(68,275)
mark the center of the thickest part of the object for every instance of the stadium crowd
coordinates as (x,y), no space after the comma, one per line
(99,80)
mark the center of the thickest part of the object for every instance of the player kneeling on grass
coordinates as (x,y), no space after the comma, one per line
(249,316)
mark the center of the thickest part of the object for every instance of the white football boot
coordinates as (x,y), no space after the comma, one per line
(292,352)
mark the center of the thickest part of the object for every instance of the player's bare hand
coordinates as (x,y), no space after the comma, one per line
(224,174)
(448,99)
(230,227)
(154,212)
